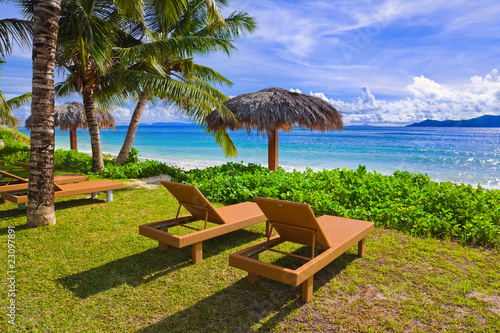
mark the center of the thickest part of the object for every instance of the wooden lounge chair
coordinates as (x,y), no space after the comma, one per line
(66,190)
(17,183)
(229,218)
(295,222)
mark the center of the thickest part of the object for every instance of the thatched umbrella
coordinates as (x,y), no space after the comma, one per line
(273,109)
(71,116)
(17,120)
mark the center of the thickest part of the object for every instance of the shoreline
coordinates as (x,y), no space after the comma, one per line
(187,166)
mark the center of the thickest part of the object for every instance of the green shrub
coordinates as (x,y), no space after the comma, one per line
(139,169)
(404,201)
(133,156)
(14,151)
(73,161)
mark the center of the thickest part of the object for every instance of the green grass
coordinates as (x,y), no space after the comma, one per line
(93,272)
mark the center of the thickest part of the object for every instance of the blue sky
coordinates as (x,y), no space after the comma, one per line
(379,62)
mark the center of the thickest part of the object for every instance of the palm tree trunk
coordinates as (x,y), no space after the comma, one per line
(40,208)
(95,138)
(132,128)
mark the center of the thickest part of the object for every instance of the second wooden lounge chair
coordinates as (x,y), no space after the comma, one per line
(92,187)
(229,218)
(17,183)
(296,223)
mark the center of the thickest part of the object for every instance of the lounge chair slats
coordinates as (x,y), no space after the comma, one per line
(194,201)
(338,233)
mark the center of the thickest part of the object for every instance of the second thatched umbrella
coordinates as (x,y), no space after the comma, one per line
(273,109)
(71,116)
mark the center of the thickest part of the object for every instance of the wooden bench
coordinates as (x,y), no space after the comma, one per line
(92,187)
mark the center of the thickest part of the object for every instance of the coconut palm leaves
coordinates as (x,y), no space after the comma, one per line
(14,31)
(178,81)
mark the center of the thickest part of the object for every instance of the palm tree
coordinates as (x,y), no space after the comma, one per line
(87,32)
(40,208)
(173,70)
(89,29)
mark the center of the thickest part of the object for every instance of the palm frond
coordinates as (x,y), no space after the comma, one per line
(16,135)
(179,47)
(17,102)
(14,30)
(209,75)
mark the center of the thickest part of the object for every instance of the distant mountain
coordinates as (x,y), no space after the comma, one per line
(483,121)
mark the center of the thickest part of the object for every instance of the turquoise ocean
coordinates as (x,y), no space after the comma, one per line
(460,155)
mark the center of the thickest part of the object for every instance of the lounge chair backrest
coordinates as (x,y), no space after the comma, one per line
(25,166)
(292,219)
(194,201)
(6,174)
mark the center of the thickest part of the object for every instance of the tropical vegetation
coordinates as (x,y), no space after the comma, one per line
(403,201)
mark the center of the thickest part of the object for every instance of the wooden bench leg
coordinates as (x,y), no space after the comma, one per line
(93,196)
(252,278)
(21,206)
(109,196)
(361,247)
(307,289)
(162,246)
(197,252)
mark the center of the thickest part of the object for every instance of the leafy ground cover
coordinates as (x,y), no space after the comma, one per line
(403,201)
(93,272)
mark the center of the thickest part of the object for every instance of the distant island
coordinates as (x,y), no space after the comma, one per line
(483,121)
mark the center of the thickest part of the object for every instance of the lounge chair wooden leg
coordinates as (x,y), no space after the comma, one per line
(197,252)
(109,196)
(307,290)
(361,247)
(93,196)
(252,278)
(21,206)
(162,246)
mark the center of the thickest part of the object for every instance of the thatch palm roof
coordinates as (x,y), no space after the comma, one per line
(273,109)
(18,121)
(72,116)
(276,108)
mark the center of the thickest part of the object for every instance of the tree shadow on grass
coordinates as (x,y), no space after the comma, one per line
(242,307)
(4,231)
(146,266)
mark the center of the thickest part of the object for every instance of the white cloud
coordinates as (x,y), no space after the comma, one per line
(430,100)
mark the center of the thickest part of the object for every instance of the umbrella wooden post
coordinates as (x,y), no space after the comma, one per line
(273,149)
(72,139)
